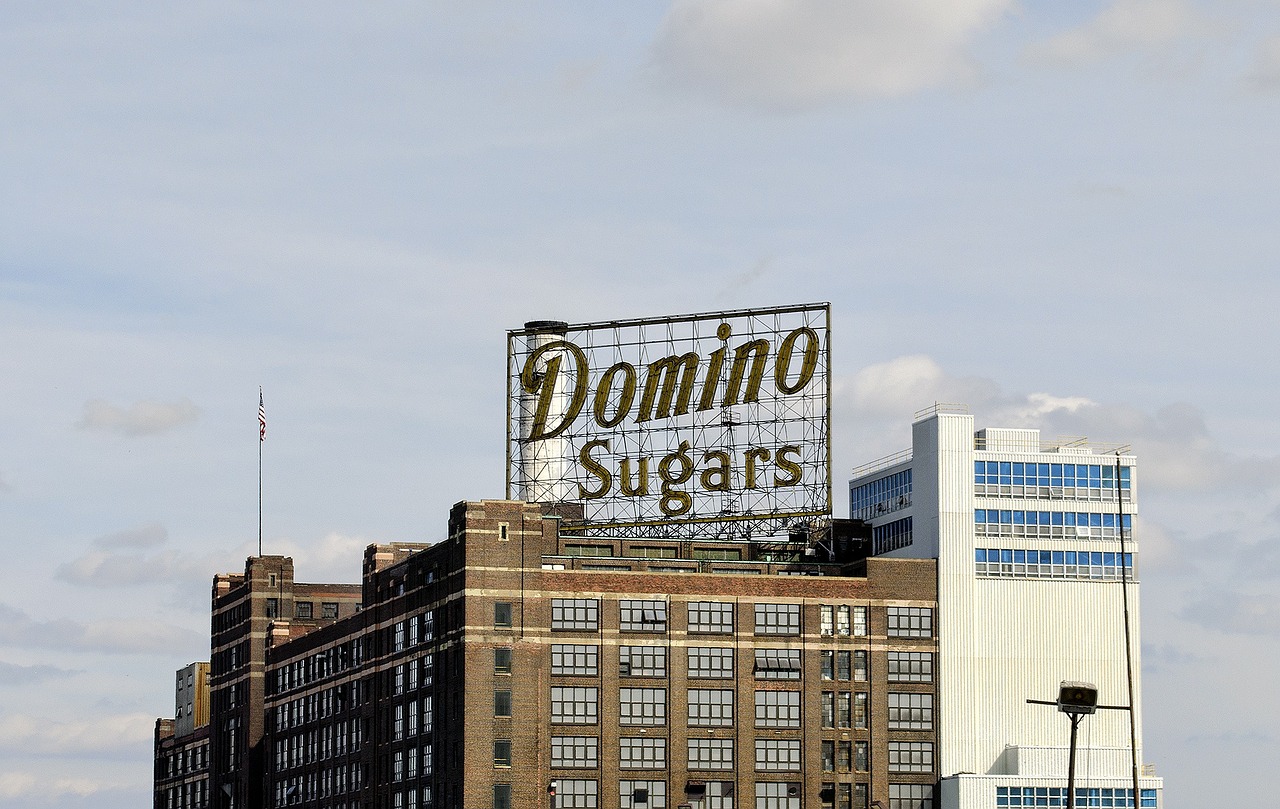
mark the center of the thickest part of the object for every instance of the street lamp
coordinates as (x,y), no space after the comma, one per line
(1077,700)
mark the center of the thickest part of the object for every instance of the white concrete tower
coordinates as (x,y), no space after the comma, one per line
(1027,538)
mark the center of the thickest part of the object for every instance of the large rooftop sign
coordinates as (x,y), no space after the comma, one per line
(715,425)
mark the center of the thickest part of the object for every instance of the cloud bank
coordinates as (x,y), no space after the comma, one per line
(140,418)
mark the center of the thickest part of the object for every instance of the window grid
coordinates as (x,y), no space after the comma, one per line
(642,706)
(778,755)
(573,793)
(574,659)
(643,794)
(991,522)
(642,753)
(711,661)
(910,796)
(710,707)
(910,622)
(881,496)
(1050,564)
(911,757)
(777,619)
(910,711)
(575,613)
(891,536)
(910,667)
(575,751)
(713,617)
(1074,480)
(574,705)
(777,709)
(1085,797)
(711,754)
(777,664)
(642,661)
(642,616)
(777,795)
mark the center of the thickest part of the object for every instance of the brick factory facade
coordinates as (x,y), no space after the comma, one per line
(511,665)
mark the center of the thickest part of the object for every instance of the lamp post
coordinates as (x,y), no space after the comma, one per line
(1077,700)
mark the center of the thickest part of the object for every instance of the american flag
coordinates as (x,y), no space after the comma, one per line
(262,418)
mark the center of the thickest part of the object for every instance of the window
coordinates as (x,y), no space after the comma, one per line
(777,709)
(827,754)
(642,706)
(501,796)
(575,613)
(910,667)
(502,660)
(910,757)
(574,706)
(828,664)
(910,622)
(503,532)
(778,664)
(860,717)
(777,619)
(1085,796)
(273,607)
(575,751)
(910,711)
(502,703)
(778,755)
(862,757)
(711,661)
(910,796)
(711,754)
(398,636)
(502,614)
(642,616)
(568,658)
(710,707)
(826,620)
(642,753)
(711,617)
(502,752)
(860,622)
(577,794)
(842,664)
(653,551)
(842,620)
(643,794)
(302,609)
(775,795)
(642,661)
(588,550)
(860,665)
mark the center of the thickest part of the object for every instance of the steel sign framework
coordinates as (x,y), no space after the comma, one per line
(712,425)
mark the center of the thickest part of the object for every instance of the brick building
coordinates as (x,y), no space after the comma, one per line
(181,749)
(512,666)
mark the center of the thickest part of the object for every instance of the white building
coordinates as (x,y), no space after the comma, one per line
(1029,595)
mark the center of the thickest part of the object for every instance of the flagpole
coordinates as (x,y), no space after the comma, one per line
(262,437)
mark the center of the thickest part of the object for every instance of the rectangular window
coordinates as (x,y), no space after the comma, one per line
(910,796)
(643,794)
(862,756)
(642,616)
(577,794)
(777,619)
(828,709)
(826,620)
(776,795)
(828,668)
(910,711)
(827,753)
(575,751)
(653,552)
(910,622)
(777,709)
(273,607)
(860,622)
(843,665)
(502,703)
(571,659)
(502,752)
(501,796)
(642,753)
(642,706)
(778,755)
(778,664)
(328,609)
(710,707)
(502,614)
(711,754)
(842,620)
(714,617)
(302,609)
(711,661)
(574,706)
(575,613)
(642,661)
(911,757)
(861,717)
(844,712)
(501,660)
(910,667)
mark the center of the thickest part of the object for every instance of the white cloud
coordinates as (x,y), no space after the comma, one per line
(112,637)
(144,536)
(789,54)
(1265,75)
(901,386)
(25,785)
(1124,27)
(101,734)
(140,418)
(15,674)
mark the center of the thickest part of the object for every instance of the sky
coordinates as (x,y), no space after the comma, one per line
(1060,214)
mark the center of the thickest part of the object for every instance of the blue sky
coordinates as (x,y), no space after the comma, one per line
(1063,216)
